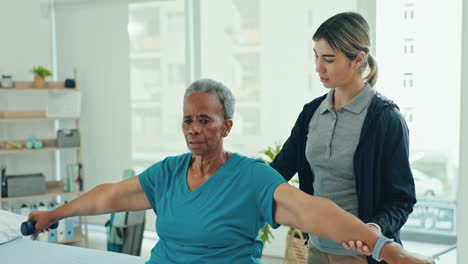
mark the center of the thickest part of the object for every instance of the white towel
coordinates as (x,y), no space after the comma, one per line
(10,224)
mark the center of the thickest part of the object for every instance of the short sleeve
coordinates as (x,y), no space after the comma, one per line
(150,180)
(265,180)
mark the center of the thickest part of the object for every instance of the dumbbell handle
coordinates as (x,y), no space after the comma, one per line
(27,228)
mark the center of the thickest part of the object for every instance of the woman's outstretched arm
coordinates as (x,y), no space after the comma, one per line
(127,195)
(322,217)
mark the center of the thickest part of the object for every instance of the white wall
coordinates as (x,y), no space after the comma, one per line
(368,9)
(92,36)
(462,227)
(26,37)
(26,41)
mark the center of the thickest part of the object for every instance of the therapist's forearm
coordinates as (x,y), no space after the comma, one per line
(98,200)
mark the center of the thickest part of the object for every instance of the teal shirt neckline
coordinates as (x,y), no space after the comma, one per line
(212,177)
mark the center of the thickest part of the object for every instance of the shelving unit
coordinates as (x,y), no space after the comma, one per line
(28,86)
(29,116)
(49,145)
(54,189)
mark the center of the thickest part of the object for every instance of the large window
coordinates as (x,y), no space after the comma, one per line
(157,76)
(424,80)
(262,50)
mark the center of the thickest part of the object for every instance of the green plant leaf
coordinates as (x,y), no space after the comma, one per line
(270,154)
(266,235)
(41,71)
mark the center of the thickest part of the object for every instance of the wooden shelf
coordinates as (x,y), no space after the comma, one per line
(27,86)
(54,188)
(145,55)
(30,116)
(44,149)
(49,145)
(41,196)
(38,89)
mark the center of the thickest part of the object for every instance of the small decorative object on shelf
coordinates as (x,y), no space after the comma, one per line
(69,83)
(4,183)
(35,143)
(7,81)
(73,181)
(67,138)
(40,73)
(26,184)
(13,145)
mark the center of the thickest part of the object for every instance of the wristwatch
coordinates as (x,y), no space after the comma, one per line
(379,245)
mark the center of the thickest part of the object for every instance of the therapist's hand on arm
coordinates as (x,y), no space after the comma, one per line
(127,195)
(358,245)
(324,218)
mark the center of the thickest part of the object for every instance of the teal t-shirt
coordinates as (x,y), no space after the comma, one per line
(218,222)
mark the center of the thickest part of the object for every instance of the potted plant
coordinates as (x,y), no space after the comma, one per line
(7,81)
(40,73)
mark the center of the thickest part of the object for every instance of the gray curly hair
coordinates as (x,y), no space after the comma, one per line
(211,86)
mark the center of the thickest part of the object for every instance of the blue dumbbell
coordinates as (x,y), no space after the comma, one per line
(27,228)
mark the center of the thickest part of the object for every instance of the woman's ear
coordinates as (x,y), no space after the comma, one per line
(227,127)
(359,60)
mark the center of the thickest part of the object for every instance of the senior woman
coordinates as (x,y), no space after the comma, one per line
(211,203)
